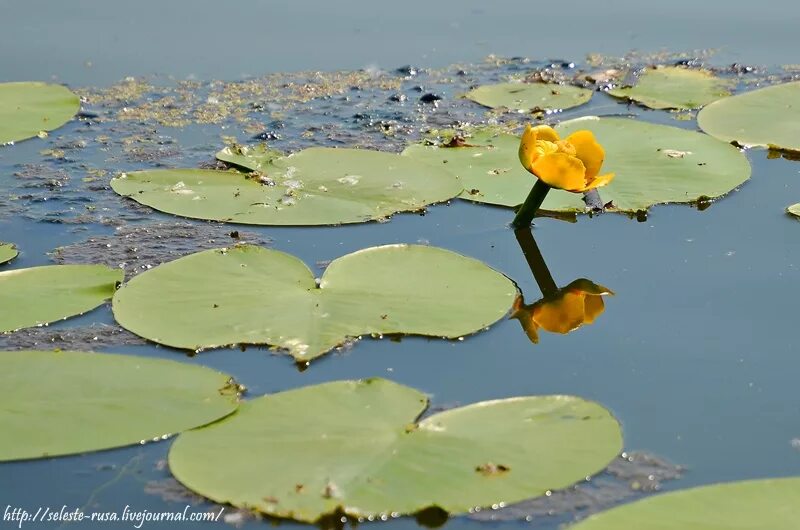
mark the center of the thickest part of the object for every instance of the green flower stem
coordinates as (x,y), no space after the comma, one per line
(532,203)
(535,261)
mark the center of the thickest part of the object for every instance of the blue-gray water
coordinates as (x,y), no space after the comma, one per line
(696,354)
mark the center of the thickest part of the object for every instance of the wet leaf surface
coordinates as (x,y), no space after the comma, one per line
(7,252)
(97,401)
(359,447)
(674,87)
(251,295)
(747,505)
(30,108)
(41,295)
(529,97)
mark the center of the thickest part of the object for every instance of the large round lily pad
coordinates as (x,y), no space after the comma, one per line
(249,294)
(7,252)
(767,117)
(748,505)
(673,87)
(318,186)
(529,96)
(654,164)
(40,295)
(360,447)
(28,108)
(60,403)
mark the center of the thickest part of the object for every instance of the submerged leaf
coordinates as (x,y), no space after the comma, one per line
(252,295)
(674,87)
(28,108)
(354,446)
(60,403)
(767,117)
(530,96)
(747,505)
(40,295)
(317,186)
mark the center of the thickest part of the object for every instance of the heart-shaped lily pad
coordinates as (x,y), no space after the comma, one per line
(529,96)
(317,186)
(7,252)
(40,295)
(26,109)
(360,447)
(60,403)
(767,117)
(250,157)
(748,505)
(674,87)
(654,164)
(249,294)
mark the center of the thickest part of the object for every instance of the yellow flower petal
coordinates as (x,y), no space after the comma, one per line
(602,180)
(589,151)
(545,132)
(527,147)
(561,171)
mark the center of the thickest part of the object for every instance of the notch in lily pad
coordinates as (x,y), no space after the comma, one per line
(253,295)
(360,448)
(61,403)
(28,109)
(41,295)
(529,97)
(317,186)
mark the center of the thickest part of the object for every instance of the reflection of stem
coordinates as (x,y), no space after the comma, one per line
(531,204)
(535,261)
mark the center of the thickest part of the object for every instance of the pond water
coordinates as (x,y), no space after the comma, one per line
(696,354)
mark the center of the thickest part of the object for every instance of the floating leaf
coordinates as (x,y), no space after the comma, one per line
(653,164)
(794,209)
(60,403)
(7,252)
(747,505)
(249,294)
(318,186)
(767,117)
(354,446)
(40,295)
(674,87)
(253,158)
(529,96)
(26,109)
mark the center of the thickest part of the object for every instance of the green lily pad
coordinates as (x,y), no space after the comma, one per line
(359,447)
(7,252)
(253,158)
(747,505)
(252,295)
(654,164)
(317,186)
(40,295)
(767,117)
(28,108)
(529,96)
(673,87)
(794,209)
(61,403)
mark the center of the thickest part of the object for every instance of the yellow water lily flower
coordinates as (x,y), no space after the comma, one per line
(571,164)
(579,303)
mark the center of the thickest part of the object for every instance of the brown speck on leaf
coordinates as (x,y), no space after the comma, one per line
(457,141)
(384,317)
(491,469)
(299,488)
(271,500)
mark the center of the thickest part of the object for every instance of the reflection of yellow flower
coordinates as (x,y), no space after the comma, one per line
(571,164)
(580,302)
